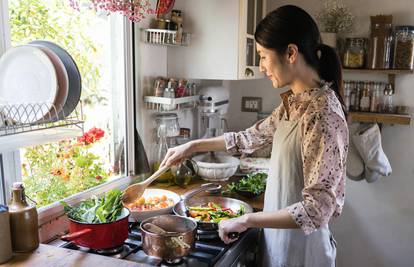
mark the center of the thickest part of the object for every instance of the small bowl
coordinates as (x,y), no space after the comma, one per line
(214,172)
(248,194)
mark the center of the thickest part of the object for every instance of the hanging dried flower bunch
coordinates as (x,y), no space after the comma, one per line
(134,10)
(335,17)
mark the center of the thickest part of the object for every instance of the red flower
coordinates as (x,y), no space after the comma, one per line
(98,177)
(91,136)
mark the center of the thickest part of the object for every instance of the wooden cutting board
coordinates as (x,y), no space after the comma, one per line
(50,256)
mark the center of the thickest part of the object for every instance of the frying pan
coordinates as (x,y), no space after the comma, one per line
(188,201)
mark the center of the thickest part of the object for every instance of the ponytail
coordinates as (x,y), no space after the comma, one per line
(330,69)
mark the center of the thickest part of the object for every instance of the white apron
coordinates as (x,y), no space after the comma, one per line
(291,247)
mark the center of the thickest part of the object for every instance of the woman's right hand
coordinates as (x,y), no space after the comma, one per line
(176,154)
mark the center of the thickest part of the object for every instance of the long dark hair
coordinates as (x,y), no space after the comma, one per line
(292,25)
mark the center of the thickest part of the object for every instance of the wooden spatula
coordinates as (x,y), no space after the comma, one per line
(135,191)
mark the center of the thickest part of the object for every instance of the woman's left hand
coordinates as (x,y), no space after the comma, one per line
(237,225)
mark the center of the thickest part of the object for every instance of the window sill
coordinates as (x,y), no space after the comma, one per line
(50,212)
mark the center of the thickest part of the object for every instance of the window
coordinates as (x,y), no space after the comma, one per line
(53,171)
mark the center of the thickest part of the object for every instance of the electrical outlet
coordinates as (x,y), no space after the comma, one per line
(251,104)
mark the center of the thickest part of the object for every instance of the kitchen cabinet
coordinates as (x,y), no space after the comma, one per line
(222,40)
(369,117)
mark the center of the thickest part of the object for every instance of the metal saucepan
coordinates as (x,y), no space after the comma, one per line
(176,243)
(99,235)
(188,200)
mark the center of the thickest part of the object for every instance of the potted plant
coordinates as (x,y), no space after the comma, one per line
(335,18)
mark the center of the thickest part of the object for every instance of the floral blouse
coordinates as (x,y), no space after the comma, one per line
(324,149)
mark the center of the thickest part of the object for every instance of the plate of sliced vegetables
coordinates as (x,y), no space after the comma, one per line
(152,203)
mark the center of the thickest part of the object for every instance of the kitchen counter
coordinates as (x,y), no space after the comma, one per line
(51,256)
(256,203)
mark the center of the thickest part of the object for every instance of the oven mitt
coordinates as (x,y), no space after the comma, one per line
(354,163)
(368,144)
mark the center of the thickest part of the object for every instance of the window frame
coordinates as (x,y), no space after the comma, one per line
(10,162)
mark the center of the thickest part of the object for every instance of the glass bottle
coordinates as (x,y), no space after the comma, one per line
(388,95)
(161,149)
(169,92)
(365,99)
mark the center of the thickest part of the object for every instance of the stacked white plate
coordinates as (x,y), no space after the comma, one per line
(40,81)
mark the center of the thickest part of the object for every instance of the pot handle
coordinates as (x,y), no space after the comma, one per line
(202,187)
(76,235)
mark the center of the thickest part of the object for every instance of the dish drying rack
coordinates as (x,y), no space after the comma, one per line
(37,123)
(165,37)
(171,104)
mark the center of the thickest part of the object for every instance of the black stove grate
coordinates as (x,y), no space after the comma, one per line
(206,252)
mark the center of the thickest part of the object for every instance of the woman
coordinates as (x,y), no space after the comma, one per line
(308,131)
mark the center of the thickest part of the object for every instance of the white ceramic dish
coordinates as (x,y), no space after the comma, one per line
(27,76)
(139,216)
(213,172)
(63,81)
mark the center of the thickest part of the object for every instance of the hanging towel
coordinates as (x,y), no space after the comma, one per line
(368,144)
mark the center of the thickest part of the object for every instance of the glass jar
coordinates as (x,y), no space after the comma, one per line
(380,42)
(404,47)
(167,125)
(354,56)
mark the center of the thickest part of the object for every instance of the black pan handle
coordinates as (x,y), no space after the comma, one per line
(233,235)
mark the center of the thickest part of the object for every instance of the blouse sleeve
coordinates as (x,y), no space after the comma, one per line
(255,137)
(324,150)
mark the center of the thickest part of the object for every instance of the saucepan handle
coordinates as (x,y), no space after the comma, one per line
(233,235)
(76,235)
(203,187)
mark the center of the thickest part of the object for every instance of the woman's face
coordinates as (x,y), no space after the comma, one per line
(274,66)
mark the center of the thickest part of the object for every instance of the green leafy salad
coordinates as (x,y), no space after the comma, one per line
(255,183)
(104,209)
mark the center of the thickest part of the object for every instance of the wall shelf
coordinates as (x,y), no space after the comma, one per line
(390,72)
(160,103)
(402,119)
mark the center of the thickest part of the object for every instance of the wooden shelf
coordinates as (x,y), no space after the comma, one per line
(403,119)
(378,71)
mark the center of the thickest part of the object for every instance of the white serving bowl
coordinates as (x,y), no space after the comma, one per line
(139,216)
(225,167)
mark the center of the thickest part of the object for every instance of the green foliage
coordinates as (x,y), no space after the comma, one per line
(58,170)
(255,183)
(97,210)
(56,21)
(335,17)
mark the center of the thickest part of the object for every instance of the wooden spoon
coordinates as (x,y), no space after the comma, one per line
(135,191)
(153,228)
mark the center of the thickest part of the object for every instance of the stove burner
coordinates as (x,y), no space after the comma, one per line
(110,251)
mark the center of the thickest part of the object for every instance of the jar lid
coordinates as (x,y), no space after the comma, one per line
(166,116)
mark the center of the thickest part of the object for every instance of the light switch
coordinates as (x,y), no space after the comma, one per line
(251,104)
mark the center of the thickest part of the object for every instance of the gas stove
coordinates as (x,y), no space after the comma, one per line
(208,251)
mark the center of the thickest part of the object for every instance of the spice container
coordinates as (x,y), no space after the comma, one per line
(347,95)
(23,221)
(5,244)
(381,42)
(388,95)
(375,98)
(354,56)
(159,85)
(404,47)
(169,92)
(365,101)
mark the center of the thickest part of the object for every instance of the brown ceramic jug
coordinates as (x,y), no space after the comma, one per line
(23,221)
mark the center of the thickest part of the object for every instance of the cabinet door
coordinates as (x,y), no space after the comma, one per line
(251,12)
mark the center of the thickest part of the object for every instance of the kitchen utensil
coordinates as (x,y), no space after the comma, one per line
(139,216)
(99,235)
(63,82)
(224,167)
(75,85)
(189,200)
(27,75)
(150,227)
(135,191)
(5,244)
(23,221)
(175,242)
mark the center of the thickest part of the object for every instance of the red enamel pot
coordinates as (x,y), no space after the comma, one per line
(99,235)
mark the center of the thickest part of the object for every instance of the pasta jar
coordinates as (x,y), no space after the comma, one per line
(404,47)
(354,55)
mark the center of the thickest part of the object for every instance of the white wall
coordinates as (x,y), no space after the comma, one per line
(376,227)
